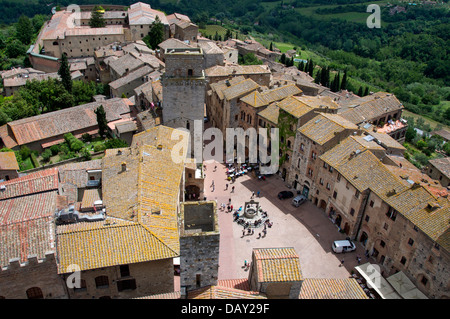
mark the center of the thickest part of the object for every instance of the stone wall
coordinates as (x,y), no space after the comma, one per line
(153,277)
(199,249)
(199,260)
(17,278)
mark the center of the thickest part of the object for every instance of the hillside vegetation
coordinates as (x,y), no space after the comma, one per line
(407,56)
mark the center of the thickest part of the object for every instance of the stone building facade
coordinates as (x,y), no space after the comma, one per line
(183,90)
(34,279)
(124,281)
(199,245)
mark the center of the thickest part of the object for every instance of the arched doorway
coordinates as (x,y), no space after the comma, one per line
(338,220)
(364,237)
(347,228)
(305,191)
(35,293)
(192,192)
(323,205)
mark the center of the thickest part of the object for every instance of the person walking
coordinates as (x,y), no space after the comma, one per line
(258,193)
(226,186)
(342,262)
(253,194)
(232,189)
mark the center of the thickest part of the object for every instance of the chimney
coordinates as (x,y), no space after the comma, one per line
(124,166)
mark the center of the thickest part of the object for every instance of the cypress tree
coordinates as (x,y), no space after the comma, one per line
(156,34)
(366,92)
(301,66)
(97,20)
(311,67)
(360,91)
(64,73)
(271,46)
(336,80)
(344,81)
(101,120)
(283,58)
(318,77)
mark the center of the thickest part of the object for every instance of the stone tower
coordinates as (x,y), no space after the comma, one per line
(183,90)
(199,245)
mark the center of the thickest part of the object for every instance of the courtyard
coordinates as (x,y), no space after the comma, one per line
(305,228)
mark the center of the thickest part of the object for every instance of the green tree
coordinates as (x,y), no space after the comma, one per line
(115,143)
(446,148)
(311,67)
(271,46)
(156,34)
(283,59)
(83,91)
(344,81)
(25,152)
(360,91)
(64,73)
(101,121)
(250,59)
(410,134)
(24,30)
(97,20)
(86,154)
(366,92)
(15,48)
(46,155)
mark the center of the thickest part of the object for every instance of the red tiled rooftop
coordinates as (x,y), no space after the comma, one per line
(37,182)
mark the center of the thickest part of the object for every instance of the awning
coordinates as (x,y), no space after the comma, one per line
(376,281)
(405,287)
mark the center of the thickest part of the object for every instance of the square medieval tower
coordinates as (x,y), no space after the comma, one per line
(183,89)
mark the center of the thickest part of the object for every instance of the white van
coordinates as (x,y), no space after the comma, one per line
(343,246)
(298,200)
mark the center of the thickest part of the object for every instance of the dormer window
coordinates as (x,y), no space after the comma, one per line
(190,72)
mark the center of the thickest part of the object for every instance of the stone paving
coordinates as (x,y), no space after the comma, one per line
(305,228)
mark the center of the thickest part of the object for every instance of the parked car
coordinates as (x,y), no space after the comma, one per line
(298,200)
(285,194)
(343,246)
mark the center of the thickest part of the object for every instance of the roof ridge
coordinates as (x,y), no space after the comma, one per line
(73,231)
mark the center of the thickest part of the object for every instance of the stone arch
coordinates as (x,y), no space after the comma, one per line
(192,192)
(323,204)
(363,238)
(34,293)
(346,228)
(338,220)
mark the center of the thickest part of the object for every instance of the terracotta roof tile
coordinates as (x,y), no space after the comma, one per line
(369,107)
(277,264)
(28,237)
(258,99)
(323,127)
(56,123)
(40,181)
(8,161)
(442,164)
(239,89)
(331,288)
(103,244)
(270,113)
